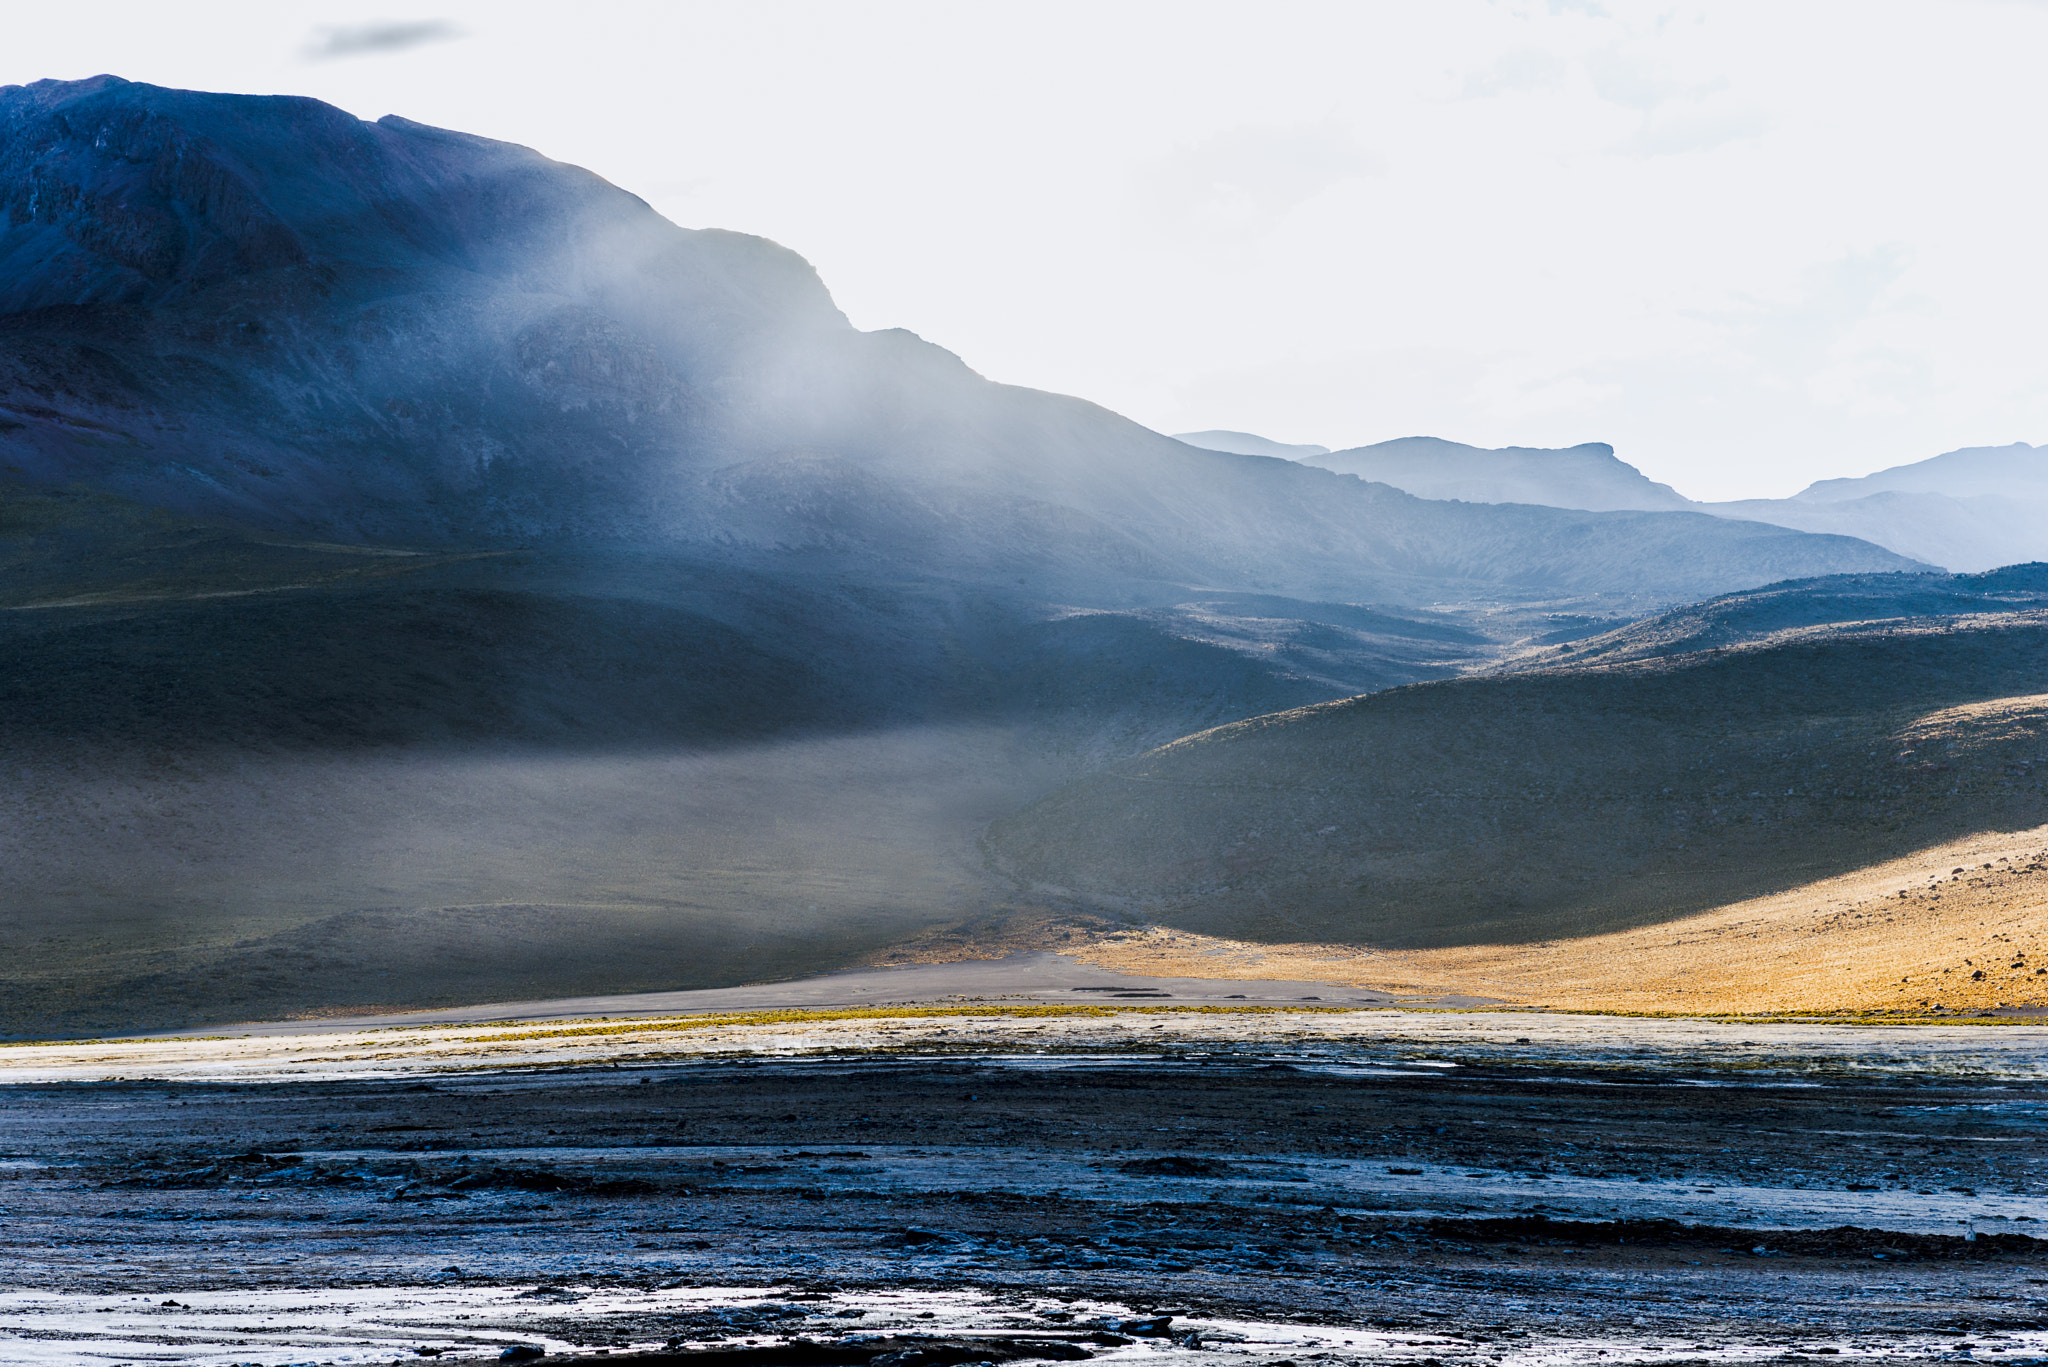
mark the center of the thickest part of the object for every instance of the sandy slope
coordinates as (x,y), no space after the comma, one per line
(1961,926)
(1967,934)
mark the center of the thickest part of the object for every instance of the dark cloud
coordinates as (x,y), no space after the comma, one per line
(367,40)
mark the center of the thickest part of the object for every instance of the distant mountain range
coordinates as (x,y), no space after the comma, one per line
(1971,509)
(1972,472)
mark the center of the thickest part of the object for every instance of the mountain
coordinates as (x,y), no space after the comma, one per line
(1965,534)
(1249,444)
(1729,751)
(267,310)
(1585,476)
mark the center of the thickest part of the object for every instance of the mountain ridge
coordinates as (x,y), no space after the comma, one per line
(1250,444)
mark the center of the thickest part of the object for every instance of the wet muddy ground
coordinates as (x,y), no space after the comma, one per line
(1550,1211)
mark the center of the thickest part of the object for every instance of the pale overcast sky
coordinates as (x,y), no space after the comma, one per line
(1750,244)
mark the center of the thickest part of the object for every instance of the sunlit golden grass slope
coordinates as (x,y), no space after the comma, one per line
(1970,934)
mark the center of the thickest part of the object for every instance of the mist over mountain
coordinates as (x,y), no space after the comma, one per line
(1966,534)
(1250,444)
(538,749)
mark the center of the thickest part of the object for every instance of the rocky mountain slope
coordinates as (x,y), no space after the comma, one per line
(1834,607)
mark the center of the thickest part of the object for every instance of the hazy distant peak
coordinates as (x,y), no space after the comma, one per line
(1586,476)
(1248,444)
(1599,450)
(1970,509)
(2017,470)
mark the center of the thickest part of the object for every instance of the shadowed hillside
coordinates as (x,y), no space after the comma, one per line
(1565,801)
(250,777)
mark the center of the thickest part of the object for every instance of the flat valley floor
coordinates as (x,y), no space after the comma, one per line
(989,1182)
